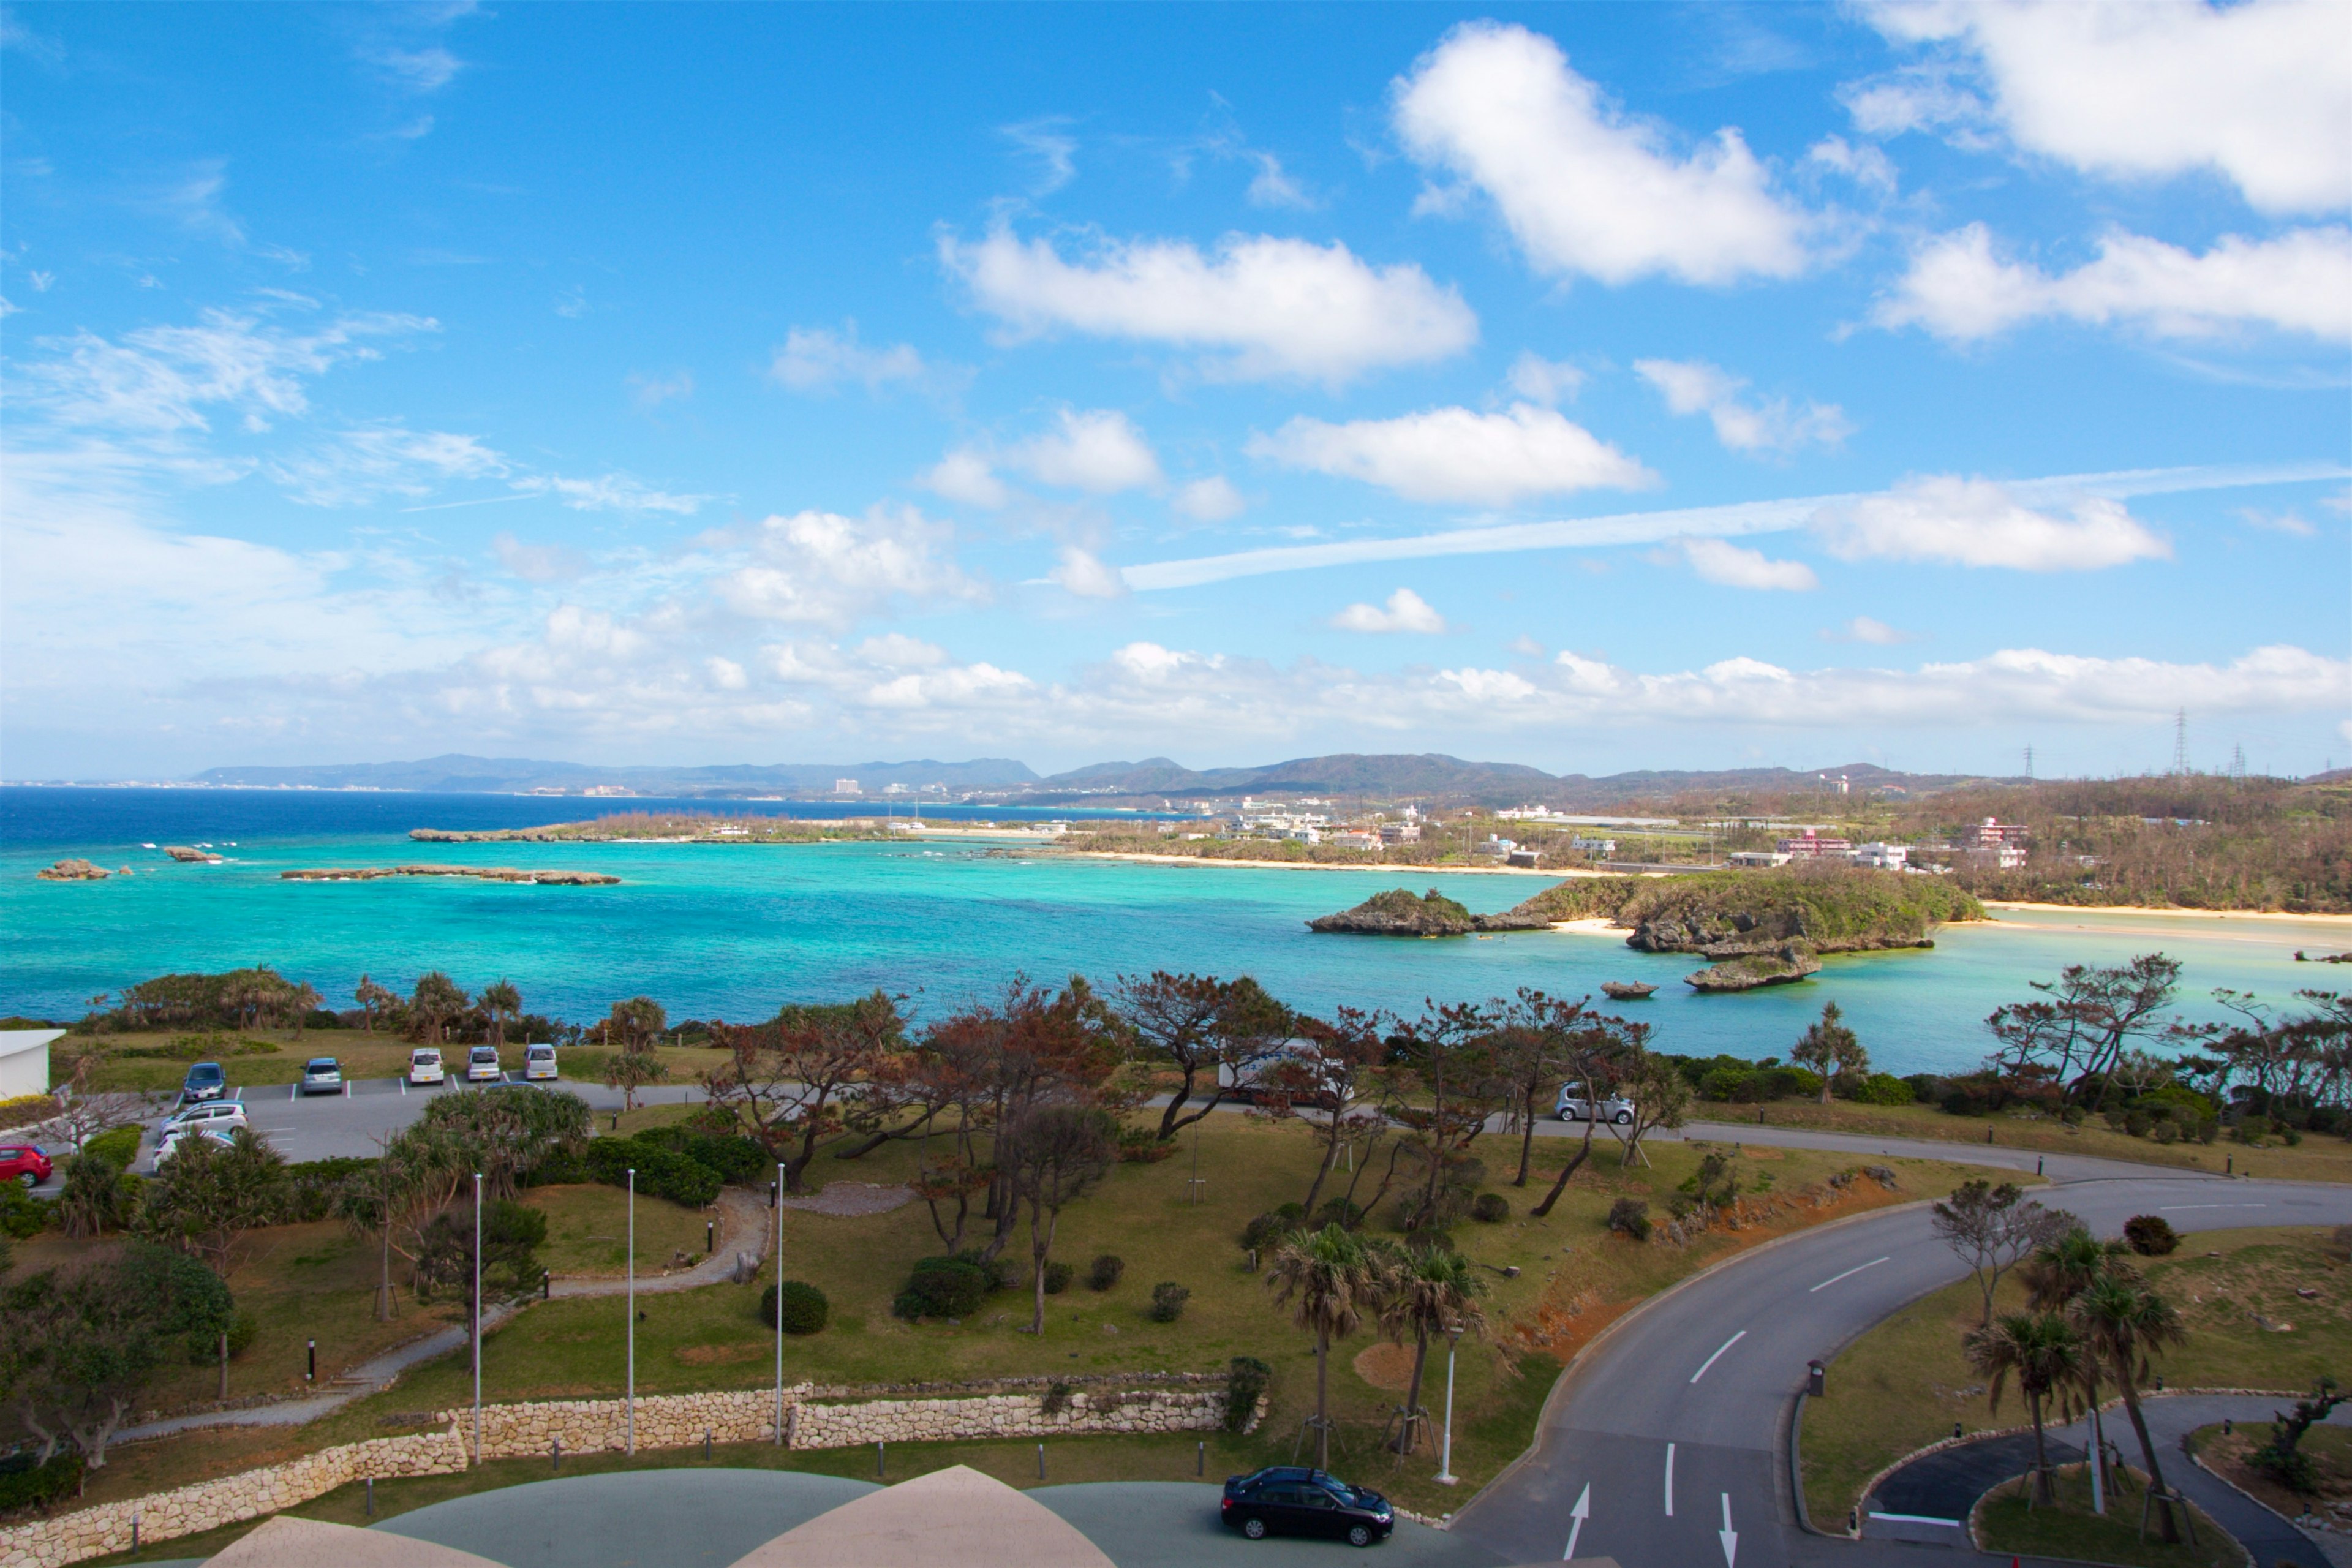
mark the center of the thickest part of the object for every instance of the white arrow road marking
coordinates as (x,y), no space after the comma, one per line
(1847,1275)
(1670,1480)
(1729,1537)
(1576,1517)
(1718,1354)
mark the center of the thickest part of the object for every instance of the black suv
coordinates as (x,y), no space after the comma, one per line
(1290,1500)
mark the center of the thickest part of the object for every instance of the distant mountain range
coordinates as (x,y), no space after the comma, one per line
(1428,776)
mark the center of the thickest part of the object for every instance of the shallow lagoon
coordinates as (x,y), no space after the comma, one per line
(718,931)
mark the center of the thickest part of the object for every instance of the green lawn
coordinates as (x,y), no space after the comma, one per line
(2071,1531)
(1903,1385)
(1574,1278)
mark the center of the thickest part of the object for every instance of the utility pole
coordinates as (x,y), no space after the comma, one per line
(2029,765)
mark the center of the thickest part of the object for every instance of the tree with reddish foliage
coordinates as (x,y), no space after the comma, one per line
(1331,1081)
(790,1082)
(1198,1023)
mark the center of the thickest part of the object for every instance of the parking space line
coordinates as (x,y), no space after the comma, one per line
(1670,1480)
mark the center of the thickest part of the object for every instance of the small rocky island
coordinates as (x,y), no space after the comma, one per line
(480,873)
(1755,928)
(665,828)
(72,871)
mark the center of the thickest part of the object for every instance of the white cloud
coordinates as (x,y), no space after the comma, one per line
(1406,611)
(966,475)
(1958,288)
(818,359)
(725,674)
(418,71)
(822,569)
(1083,573)
(653,390)
(1099,451)
(1694,386)
(1272,187)
(1540,380)
(1053,151)
(1583,187)
(1212,500)
(1865,165)
(1977,522)
(2259,92)
(611,492)
(1864,629)
(2288,521)
(1263,307)
(1456,454)
(1914,97)
(539,563)
(360,466)
(1732,565)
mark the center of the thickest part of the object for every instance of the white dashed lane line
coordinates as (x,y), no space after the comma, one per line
(1718,1354)
(1847,1275)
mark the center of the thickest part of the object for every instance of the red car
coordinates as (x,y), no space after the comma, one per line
(23,1162)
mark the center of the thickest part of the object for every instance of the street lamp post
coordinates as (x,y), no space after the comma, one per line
(632,1419)
(1446,1476)
(478,1317)
(780,1304)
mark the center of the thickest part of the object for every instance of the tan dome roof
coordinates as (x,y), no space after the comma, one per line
(955,1515)
(289,1543)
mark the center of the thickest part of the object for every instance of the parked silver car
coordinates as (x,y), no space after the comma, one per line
(1574,1106)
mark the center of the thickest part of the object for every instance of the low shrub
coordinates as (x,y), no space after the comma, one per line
(1245,1380)
(1057,1277)
(1142,1146)
(1490,1208)
(22,1215)
(2151,1234)
(1341,1212)
(1056,1399)
(1881,1089)
(661,1172)
(25,1485)
(205,1350)
(804,1306)
(1276,1222)
(118,1146)
(1729,1084)
(1167,1299)
(942,1288)
(1629,1217)
(1105,1272)
(27,1108)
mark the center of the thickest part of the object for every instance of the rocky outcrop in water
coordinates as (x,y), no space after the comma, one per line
(1784,965)
(71,871)
(1398,913)
(181,852)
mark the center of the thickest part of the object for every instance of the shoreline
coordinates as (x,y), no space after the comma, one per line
(1406,871)
(2342,924)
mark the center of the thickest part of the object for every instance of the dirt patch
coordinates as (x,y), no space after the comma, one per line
(1385,1365)
(717,1355)
(850,1200)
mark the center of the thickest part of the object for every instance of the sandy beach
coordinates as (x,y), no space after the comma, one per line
(1406,872)
(2326,935)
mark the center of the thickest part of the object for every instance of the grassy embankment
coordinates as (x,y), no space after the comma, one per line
(1575,1278)
(2071,1532)
(1835,908)
(1904,1383)
(2329,1450)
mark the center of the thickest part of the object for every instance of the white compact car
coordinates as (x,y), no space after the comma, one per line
(226,1115)
(482,1066)
(425,1065)
(539,1063)
(1574,1107)
(219,1137)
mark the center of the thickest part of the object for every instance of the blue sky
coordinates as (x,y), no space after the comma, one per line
(1599,388)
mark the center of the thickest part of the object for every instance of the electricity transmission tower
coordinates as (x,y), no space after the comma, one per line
(2029,765)
(2238,764)
(2181,744)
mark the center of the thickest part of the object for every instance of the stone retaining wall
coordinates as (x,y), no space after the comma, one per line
(586,1426)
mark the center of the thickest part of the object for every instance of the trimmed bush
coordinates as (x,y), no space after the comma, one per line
(1341,1212)
(1882,1088)
(942,1288)
(22,1215)
(118,1146)
(1629,1217)
(804,1306)
(1167,1299)
(1263,1230)
(2151,1234)
(1491,1208)
(1245,1381)
(24,1484)
(1057,1277)
(1106,1271)
(661,1172)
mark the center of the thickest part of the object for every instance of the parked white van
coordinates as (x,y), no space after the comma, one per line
(539,1063)
(425,1065)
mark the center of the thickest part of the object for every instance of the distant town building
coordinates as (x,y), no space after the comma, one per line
(1525,858)
(1989,832)
(1602,846)
(2000,856)
(1811,844)
(894,789)
(1761,858)
(1881,857)
(1495,848)
(846,786)
(1356,839)
(1400,832)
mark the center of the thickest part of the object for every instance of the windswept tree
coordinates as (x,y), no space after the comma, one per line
(1829,1048)
(1533,1050)
(636,1025)
(1454,1091)
(2127,1324)
(435,1004)
(1330,1080)
(1053,1156)
(377,1004)
(1199,1023)
(2045,1355)
(1429,1292)
(1600,1053)
(2072,1042)
(1993,1228)
(1331,1283)
(207,1195)
(786,1082)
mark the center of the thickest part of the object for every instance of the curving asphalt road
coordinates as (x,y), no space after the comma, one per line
(1672,1439)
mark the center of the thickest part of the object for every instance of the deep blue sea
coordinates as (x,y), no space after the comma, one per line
(730,931)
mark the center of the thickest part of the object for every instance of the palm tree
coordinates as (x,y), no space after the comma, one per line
(1328,1278)
(437,1001)
(2054,1277)
(501,1002)
(2125,1323)
(2047,1355)
(1434,1291)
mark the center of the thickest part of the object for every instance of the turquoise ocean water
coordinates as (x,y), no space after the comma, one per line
(730,931)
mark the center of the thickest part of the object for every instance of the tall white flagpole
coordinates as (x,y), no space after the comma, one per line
(478,1317)
(632,1433)
(780,1305)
